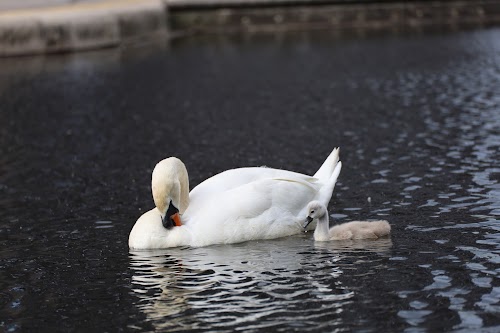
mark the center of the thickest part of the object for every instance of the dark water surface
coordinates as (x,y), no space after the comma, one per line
(417,118)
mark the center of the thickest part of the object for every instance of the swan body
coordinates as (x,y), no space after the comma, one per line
(349,230)
(234,206)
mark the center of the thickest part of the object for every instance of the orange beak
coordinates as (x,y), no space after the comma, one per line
(177,219)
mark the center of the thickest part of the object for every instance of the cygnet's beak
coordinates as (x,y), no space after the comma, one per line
(307,221)
(171,218)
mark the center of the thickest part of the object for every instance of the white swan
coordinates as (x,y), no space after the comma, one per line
(350,230)
(234,206)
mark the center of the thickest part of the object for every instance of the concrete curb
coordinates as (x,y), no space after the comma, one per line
(108,23)
(79,26)
(205,16)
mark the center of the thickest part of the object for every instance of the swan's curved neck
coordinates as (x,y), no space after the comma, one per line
(322,231)
(170,185)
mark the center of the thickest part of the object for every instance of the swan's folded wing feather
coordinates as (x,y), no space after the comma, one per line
(290,194)
(253,199)
(234,178)
(267,208)
(309,181)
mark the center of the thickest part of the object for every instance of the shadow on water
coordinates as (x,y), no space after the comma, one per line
(417,117)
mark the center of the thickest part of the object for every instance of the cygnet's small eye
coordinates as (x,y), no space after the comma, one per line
(312,211)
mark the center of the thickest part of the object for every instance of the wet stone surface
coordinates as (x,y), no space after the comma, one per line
(417,118)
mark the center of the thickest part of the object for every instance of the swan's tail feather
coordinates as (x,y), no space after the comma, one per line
(327,175)
(328,166)
(325,194)
(335,174)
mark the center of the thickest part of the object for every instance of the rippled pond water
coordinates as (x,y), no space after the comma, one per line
(417,118)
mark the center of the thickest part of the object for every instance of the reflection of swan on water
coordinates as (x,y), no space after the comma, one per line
(365,245)
(234,206)
(225,287)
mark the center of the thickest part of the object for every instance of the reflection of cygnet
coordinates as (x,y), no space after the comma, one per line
(349,230)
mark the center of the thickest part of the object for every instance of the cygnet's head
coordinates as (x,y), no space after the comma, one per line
(315,210)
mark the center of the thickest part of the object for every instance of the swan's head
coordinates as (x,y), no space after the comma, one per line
(315,210)
(170,187)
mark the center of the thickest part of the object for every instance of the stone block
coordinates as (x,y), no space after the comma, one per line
(148,17)
(77,31)
(20,36)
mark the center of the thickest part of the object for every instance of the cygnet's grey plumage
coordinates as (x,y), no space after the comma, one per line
(349,230)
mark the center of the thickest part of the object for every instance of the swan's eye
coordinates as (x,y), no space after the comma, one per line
(312,211)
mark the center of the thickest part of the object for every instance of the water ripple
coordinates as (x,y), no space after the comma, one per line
(256,287)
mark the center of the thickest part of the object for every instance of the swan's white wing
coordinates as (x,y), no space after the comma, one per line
(266,208)
(236,177)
